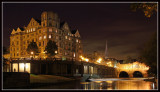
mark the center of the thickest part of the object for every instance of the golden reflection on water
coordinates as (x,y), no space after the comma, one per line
(119,85)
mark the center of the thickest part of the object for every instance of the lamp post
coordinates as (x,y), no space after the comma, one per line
(32,54)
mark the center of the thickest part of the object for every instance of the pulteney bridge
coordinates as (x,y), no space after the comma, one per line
(134,69)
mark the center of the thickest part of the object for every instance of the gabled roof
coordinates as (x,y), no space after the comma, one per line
(34,20)
(73,31)
(39,21)
(62,23)
(13,31)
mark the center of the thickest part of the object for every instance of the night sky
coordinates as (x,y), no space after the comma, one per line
(126,32)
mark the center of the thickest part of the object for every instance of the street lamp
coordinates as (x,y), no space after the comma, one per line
(32,53)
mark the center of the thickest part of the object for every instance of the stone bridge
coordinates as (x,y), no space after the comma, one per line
(130,70)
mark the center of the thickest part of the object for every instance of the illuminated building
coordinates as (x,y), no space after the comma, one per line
(49,28)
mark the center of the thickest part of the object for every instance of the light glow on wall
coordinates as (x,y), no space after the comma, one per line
(21,67)
(15,67)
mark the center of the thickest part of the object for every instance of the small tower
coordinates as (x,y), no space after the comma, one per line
(49,19)
(106,51)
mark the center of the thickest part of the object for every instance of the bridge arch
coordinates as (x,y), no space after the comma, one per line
(123,74)
(137,74)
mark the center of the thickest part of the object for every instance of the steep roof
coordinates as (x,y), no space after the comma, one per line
(73,31)
(39,21)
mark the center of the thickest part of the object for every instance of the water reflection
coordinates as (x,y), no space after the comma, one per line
(120,85)
(103,85)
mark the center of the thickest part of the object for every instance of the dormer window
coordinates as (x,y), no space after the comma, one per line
(33,29)
(44,37)
(40,38)
(50,29)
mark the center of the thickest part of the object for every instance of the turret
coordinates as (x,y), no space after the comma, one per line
(50,19)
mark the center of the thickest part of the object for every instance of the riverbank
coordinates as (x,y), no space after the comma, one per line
(48,79)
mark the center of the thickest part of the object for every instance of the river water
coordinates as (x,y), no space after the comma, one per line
(104,85)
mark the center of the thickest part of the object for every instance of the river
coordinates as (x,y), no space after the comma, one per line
(135,84)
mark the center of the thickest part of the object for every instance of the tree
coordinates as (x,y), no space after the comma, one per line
(128,59)
(148,8)
(51,48)
(149,54)
(32,48)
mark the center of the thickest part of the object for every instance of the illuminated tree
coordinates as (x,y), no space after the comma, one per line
(32,47)
(51,48)
(148,8)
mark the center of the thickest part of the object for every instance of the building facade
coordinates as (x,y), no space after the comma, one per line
(49,28)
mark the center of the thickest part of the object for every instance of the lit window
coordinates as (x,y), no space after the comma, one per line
(68,33)
(27,31)
(56,37)
(43,30)
(50,29)
(33,29)
(40,38)
(56,30)
(74,55)
(66,37)
(49,36)
(76,40)
(69,38)
(44,37)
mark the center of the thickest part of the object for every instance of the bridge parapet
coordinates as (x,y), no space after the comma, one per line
(130,68)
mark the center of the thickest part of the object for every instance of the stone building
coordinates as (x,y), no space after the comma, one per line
(49,28)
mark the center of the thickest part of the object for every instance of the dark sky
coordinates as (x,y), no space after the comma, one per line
(125,31)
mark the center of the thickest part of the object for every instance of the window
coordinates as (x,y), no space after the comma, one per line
(76,40)
(17,54)
(44,37)
(39,43)
(40,38)
(39,31)
(49,36)
(50,24)
(27,31)
(69,38)
(17,42)
(27,35)
(33,29)
(43,30)
(57,37)
(17,48)
(50,29)
(43,43)
(56,30)
(66,37)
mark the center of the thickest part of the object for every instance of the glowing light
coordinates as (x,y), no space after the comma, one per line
(87,59)
(99,60)
(56,52)
(49,36)
(32,52)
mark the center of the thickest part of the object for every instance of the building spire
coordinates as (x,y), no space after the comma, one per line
(106,51)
